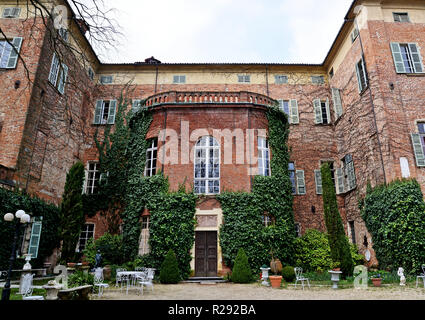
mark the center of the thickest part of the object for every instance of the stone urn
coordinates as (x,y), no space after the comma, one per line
(265,275)
(52,290)
(335,275)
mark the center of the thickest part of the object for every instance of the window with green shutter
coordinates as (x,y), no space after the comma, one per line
(9,55)
(62,79)
(35,237)
(300,182)
(317,105)
(294,116)
(336,97)
(349,172)
(105,112)
(407,57)
(361,75)
(318,179)
(418,141)
(340,184)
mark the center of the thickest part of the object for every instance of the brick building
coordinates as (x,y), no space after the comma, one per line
(362,110)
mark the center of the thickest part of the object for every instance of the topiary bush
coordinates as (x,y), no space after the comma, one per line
(394,214)
(288,273)
(241,272)
(170,273)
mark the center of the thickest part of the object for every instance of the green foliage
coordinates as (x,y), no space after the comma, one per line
(11,202)
(241,272)
(340,247)
(80,278)
(71,211)
(395,216)
(170,269)
(288,273)
(243,211)
(110,247)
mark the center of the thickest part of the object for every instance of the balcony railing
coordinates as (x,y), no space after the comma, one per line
(175,97)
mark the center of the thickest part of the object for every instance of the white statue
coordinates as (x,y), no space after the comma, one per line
(400,273)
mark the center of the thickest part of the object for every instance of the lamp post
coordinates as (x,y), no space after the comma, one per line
(9,217)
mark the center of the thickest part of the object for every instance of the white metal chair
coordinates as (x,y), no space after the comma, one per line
(140,269)
(98,281)
(126,280)
(421,276)
(27,288)
(146,280)
(299,277)
(117,276)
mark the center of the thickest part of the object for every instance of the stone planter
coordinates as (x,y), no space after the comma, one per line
(275,281)
(265,276)
(335,278)
(376,282)
(52,291)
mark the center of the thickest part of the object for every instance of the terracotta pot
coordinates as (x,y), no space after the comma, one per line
(336,269)
(377,282)
(84,263)
(71,264)
(275,281)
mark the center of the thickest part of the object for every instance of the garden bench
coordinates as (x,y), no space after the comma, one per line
(82,293)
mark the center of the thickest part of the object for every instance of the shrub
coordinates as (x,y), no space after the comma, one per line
(395,216)
(288,273)
(110,247)
(241,272)
(339,245)
(170,269)
(80,278)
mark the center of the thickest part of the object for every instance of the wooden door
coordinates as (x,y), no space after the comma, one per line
(206,254)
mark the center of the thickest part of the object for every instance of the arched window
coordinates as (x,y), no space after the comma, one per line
(207,166)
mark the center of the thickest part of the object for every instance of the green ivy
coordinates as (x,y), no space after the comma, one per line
(395,216)
(11,202)
(243,211)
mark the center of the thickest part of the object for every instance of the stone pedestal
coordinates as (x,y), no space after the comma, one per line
(265,276)
(52,290)
(335,278)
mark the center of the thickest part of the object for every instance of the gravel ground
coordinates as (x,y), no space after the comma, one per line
(231,291)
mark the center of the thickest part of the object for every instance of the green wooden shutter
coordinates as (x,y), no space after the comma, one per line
(328,113)
(14,54)
(35,238)
(98,112)
(339,181)
(398,60)
(300,182)
(416,58)
(112,111)
(318,111)
(293,112)
(62,80)
(54,70)
(351,175)
(336,97)
(318,179)
(417,148)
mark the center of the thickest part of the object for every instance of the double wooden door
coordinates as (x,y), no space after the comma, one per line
(206,254)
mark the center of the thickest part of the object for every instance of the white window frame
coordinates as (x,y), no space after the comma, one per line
(244,78)
(413,55)
(15,13)
(294,179)
(10,57)
(87,238)
(267,220)
(151,170)
(362,79)
(401,14)
(318,79)
(337,101)
(205,149)
(90,181)
(350,180)
(135,106)
(263,157)
(179,79)
(284,106)
(102,118)
(106,79)
(280,79)
(354,35)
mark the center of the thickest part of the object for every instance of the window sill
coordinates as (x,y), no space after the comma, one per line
(414,74)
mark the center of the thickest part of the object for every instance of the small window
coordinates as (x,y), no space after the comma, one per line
(63,33)
(401,17)
(268,220)
(92,178)
(349,173)
(151,158)
(263,157)
(144,236)
(244,78)
(318,79)
(281,79)
(86,234)
(361,75)
(90,73)
(11,12)
(106,79)
(179,79)
(354,34)
(284,106)
(292,177)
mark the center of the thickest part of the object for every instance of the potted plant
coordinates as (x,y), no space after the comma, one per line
(376,280)
(335,266)
(276,268)
(71,264)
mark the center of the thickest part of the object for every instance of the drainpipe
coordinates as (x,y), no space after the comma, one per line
(156,79)
(267,79)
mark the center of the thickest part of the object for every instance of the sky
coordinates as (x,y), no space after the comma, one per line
(226,31)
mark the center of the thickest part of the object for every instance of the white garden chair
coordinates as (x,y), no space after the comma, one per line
(421,276)
(126,280)
(146,280)
(117,276)
(299,277)
(98,281)
(27,288)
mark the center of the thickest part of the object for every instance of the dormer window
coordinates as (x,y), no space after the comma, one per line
(244,78)
(11,13)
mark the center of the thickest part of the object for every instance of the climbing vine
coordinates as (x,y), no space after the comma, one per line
(243,211)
